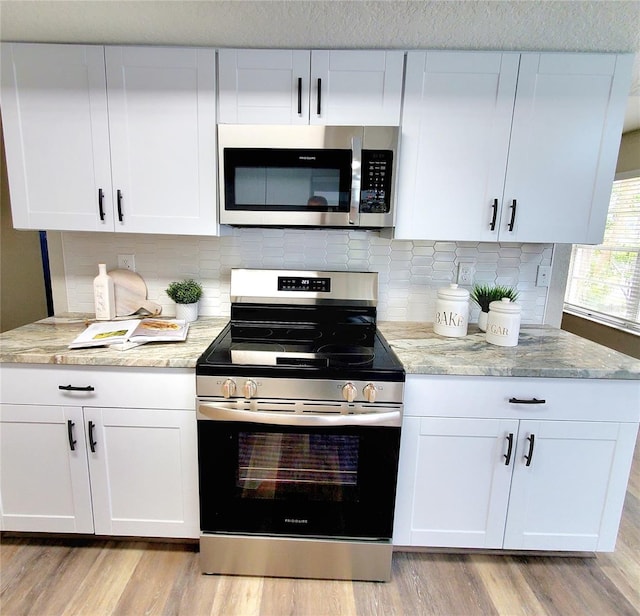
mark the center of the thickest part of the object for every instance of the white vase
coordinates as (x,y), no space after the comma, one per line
(482,320)
(187,312)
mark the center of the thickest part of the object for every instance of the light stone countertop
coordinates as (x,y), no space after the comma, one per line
(46,342)
(541,351)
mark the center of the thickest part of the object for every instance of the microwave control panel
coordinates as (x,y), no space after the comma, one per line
(376,181)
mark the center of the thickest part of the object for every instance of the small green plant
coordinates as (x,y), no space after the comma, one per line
(484,294)
(185,291)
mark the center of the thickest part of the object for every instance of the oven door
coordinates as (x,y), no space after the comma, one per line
(275,473)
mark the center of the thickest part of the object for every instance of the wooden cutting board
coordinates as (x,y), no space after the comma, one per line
(131,294)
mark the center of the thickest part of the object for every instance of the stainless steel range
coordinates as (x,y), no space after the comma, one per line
(299,414)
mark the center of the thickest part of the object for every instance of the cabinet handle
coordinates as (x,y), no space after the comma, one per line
(532,401)
(120,205)
(72,441)
(513,215)
(492,224)
(100,203)
(531,438)
(507,455)
(92,443)
(74,388)
(319,96)
(299,95)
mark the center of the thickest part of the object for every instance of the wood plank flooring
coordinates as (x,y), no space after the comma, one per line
(91,577)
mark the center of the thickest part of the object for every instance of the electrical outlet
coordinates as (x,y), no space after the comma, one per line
(127,262)
(544,274)
(465,274)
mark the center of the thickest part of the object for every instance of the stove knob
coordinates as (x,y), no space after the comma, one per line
(250,389)
(228,388)
(369,392)
(349,392)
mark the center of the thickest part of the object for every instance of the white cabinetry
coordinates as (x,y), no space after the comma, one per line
(352,87)
(482,466)
(113,452)
(510,147)
(110,138)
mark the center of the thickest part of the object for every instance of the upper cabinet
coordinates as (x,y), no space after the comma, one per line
(310,87)
(510,147)
(110,138)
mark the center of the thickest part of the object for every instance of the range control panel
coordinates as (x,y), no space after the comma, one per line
(298,283)
(376,181)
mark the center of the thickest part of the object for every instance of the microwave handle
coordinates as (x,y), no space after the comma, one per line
(356,180)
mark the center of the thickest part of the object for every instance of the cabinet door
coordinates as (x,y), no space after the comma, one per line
(162,129)
(461,478)
(144,474)
(455,139)
(571,495)
(44,479)
(54,114)
(567,124)
(263,86)
(359,88)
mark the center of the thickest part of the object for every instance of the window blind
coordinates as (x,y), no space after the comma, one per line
(604,280)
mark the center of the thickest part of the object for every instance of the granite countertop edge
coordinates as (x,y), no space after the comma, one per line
(542,351)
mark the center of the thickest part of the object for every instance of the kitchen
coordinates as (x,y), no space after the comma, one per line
(403,295)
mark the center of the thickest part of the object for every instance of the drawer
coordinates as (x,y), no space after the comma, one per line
(161,388)
(513,398)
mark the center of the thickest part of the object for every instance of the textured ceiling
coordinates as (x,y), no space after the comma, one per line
(571,25)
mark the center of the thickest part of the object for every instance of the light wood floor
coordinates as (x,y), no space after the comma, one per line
(49,577)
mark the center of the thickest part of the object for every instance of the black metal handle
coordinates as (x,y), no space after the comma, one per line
(513,215)
(532,401)
(299,95)
(319,96)
(100,203)
(72,441)
(92,443)
(531,438)
(507,455)
(74,388)
(119,205)
(492,224)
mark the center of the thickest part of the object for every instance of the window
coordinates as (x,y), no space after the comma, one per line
(604,280)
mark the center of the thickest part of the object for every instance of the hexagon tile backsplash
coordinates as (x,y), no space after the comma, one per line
(410,272)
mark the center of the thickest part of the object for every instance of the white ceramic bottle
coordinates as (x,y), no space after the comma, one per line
(104,294)
(452,312)
(503,323)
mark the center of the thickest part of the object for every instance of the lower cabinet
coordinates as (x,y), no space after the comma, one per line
(542,479)
(93,469)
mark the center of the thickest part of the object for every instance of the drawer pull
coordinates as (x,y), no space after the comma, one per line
(72,441)
(531,438)
(532,401)
(492,224)
(74,388)
(507,455)
(92,443)
(513,215)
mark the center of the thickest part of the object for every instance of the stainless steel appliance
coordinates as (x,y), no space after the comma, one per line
(299,414)
(333,176)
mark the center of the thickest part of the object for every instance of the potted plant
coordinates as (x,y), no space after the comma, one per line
(484,294)
(186,294)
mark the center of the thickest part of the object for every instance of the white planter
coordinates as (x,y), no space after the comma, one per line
(188,312)
(482,320)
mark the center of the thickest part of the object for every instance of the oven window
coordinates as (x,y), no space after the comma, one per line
(315,467)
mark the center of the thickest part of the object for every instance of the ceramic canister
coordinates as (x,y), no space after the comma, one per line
(452,311)
(503,322)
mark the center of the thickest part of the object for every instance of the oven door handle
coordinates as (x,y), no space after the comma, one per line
(217,412)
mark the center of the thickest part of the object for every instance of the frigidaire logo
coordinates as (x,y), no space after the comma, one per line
(296,521)
(307,157)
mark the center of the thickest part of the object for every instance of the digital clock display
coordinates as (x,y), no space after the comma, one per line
(312,285)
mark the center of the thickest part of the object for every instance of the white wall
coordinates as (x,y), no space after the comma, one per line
(409,272)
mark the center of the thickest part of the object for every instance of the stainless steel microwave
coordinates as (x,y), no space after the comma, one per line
(310,176)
